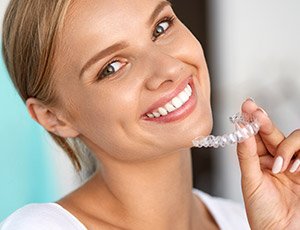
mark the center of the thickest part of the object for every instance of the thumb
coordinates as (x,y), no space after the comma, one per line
(249,162)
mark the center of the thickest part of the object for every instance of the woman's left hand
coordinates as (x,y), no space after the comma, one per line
(270,171)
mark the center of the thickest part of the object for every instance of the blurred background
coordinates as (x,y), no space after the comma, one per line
(252,51)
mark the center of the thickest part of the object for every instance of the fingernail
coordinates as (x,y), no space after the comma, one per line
(277,165)
(261,109)
(250,99)
(295,166)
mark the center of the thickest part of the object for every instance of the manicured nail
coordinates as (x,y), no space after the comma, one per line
(261,109)
(295,166)
(250,99)
(277,165)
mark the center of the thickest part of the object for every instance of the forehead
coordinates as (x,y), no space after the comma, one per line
(105,11)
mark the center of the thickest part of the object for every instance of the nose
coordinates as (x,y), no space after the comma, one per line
(163,69)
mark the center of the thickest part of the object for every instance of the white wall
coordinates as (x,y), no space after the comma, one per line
(256,52)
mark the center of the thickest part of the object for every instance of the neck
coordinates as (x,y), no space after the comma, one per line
(155,194)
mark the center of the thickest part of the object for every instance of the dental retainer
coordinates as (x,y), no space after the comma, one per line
(246,126)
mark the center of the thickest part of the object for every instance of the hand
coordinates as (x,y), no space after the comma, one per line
(270,171)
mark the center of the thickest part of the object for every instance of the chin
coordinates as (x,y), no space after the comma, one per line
(184,139)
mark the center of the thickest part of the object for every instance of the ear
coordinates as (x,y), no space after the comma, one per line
(47,118)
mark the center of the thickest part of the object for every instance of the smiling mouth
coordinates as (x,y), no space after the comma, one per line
(174,104)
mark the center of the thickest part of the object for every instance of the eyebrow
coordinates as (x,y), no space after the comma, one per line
(109,50)
(158,10)
(123,44)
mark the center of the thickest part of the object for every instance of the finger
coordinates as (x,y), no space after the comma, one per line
(266,162)
(295,167)
(286,150)
(270,135)
(249,107)
(261,148)
(249,161)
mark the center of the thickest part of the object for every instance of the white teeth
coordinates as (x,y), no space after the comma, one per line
(170,108)
(189,88)
(188,92)
(162,111)
(150,115)
(174,104)
(156,114)
(177,102)
(184,97)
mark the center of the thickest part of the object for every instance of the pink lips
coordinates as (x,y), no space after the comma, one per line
(180,113)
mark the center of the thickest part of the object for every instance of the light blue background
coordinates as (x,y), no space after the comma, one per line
(26,173)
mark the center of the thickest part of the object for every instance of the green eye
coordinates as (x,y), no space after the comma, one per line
(161,28)
(111,68)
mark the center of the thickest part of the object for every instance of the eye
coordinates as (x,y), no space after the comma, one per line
(162,27)
(111,68)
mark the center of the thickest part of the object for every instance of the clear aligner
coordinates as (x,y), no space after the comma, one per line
(245,127)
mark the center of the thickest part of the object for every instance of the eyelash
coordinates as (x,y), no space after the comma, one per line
(169,19)
(100,74)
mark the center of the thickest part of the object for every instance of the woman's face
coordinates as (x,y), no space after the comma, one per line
(124,63)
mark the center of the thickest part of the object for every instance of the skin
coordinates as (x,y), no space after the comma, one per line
(144,181)
(271,199)
(139,159)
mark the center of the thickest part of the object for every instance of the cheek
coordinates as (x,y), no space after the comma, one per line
(99,127)
(189,50)
(102,112)
(107,118)
(193,54)
(188,46)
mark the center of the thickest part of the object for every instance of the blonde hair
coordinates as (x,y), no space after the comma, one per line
(30,36)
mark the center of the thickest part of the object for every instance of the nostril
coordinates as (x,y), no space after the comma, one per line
(156,83)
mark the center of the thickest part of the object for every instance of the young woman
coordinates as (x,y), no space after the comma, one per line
(129,81)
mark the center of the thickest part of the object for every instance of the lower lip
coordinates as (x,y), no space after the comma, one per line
(178,114)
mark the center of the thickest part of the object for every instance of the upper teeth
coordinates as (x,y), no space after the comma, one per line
(174,104)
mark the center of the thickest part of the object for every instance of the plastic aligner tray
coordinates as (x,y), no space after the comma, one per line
(245,127)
